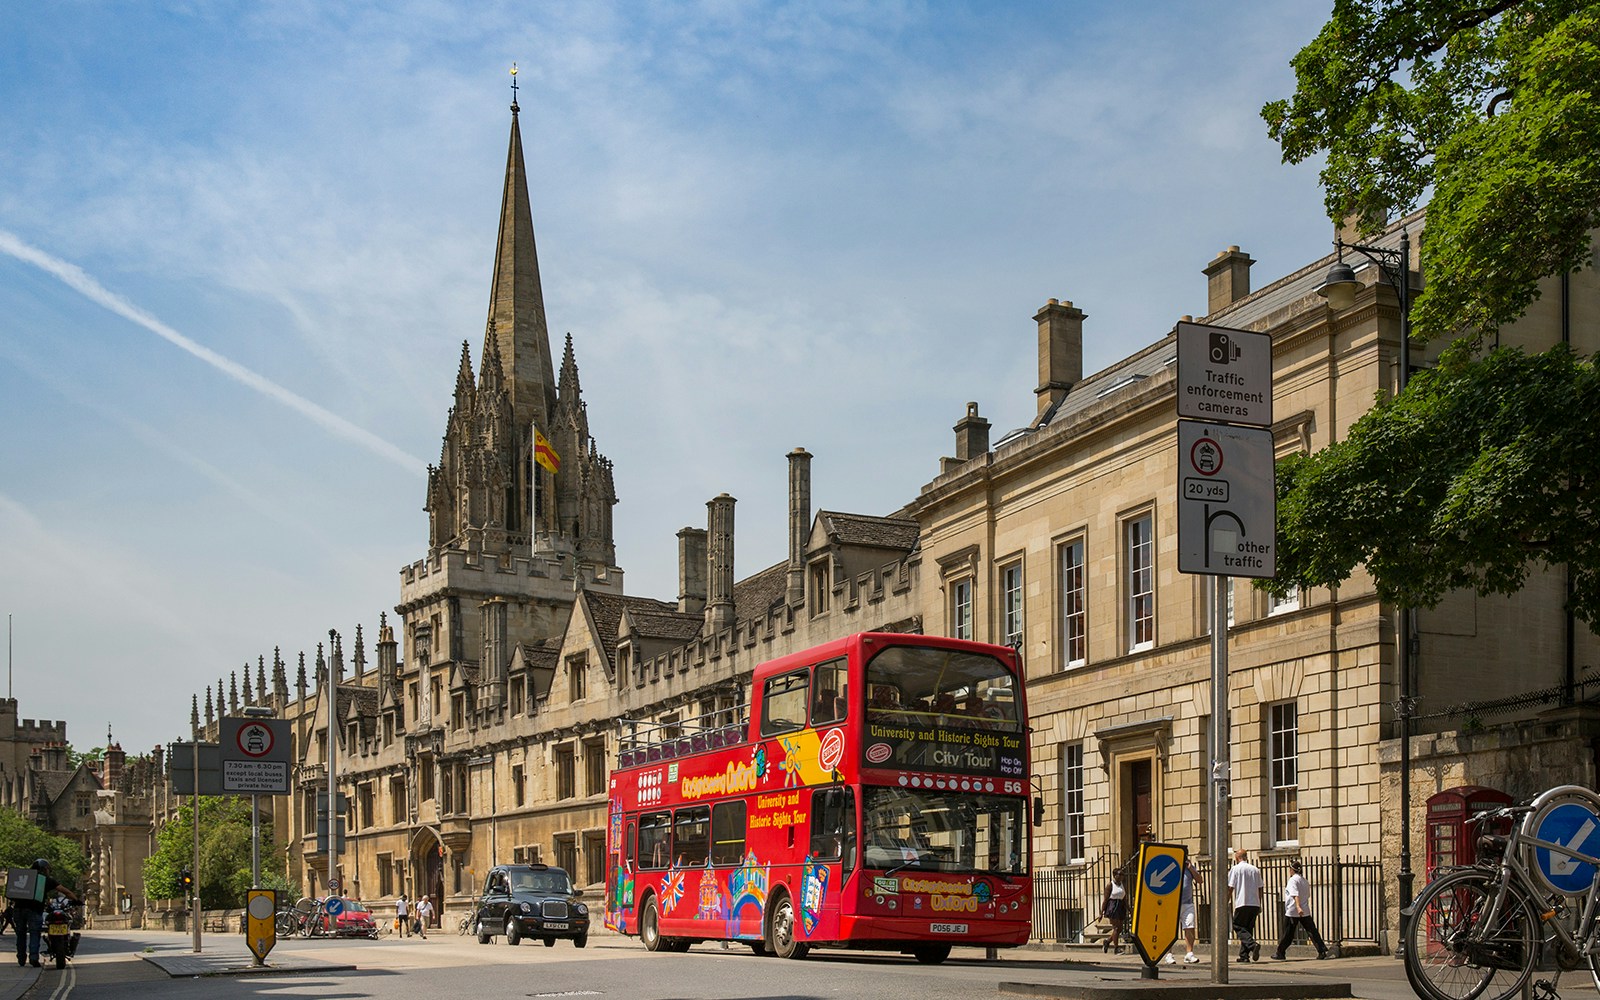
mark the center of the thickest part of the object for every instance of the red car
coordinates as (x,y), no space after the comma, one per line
(352,920)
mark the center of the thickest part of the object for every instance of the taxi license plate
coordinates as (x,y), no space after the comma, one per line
(555,925)
(948,928)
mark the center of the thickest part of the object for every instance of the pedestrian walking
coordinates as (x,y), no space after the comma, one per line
(1114,907)
(1244,892)
(1297,911)
(1186,914)
(424,916)
(402,916)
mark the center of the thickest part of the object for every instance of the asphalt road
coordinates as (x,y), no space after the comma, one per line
(113,965)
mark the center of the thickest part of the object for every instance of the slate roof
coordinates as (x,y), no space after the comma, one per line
(672,625)
(756,594)
(606,610)
(358,700)
(874,532)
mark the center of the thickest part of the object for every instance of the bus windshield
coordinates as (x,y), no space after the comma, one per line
(946,831)
(927,686)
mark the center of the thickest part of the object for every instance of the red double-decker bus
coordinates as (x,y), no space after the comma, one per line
(875,796)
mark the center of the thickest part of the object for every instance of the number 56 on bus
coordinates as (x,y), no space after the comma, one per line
(875,795)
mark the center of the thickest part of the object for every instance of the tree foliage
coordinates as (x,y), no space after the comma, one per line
(1484,467)
(22,843)
(224,873)
(1493,106)
(1480,471)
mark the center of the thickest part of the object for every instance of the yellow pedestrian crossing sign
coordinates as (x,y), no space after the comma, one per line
(1157,898)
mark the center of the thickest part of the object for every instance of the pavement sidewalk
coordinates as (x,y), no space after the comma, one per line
(15,980)
(229,955)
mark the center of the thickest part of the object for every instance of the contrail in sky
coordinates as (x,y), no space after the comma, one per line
(73,277)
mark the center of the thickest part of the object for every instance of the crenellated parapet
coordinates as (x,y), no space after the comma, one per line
(542,575)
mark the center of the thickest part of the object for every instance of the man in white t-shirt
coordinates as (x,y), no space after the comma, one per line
(424,915)
(1297,910)
(1244,892)
(402,916)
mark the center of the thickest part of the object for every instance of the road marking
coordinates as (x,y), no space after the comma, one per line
(64,987)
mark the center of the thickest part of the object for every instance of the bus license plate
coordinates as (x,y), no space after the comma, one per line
(555,925)
(948,928)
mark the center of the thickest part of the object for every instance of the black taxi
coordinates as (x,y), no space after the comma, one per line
(531,901)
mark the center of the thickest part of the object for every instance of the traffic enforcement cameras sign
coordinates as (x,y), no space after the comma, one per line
(1224,375)
(255,756)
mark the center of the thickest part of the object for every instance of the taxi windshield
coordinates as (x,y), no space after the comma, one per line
(552,883)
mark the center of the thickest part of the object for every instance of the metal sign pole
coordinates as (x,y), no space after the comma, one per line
(1220,909)
(194,913)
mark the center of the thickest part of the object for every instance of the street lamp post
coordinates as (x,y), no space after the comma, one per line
(1339,287)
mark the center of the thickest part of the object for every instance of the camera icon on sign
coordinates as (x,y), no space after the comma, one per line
(1223,349)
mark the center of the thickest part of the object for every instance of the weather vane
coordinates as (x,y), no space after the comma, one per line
(513,86)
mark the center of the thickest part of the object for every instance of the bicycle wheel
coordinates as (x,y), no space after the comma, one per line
(1451,954)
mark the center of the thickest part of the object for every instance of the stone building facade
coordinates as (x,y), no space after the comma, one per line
(490,739)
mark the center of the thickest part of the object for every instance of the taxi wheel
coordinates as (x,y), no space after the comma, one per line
(580,940)
(513,931)
(483,932)
(549,942)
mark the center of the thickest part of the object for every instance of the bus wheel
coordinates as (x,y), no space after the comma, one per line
(932,954)
(759,947)
(780,930)
(650,926)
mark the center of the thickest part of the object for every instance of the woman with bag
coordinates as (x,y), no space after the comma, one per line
(1114,908)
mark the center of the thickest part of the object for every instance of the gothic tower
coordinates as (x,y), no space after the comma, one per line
(509,542)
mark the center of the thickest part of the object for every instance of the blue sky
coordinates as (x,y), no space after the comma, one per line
(241,244)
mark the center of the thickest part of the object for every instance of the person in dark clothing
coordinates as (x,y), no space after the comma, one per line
(29,915)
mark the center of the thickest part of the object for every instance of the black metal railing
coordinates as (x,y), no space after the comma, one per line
(1346,898)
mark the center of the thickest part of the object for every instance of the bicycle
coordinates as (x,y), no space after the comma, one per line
(1478,932)
(464,925)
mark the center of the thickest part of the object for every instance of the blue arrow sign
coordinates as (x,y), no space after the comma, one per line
(334,906)
(1162,874)
(1574,826)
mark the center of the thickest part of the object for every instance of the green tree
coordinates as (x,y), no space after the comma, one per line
(1450,485)
(1484,468)
(224,873)
(1490,105)
(22,843)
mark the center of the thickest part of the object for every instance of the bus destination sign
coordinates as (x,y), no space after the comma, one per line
(940,748)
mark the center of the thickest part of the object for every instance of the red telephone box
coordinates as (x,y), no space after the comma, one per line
(1451,839)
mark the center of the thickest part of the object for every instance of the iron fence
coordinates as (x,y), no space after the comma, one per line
(1346,898)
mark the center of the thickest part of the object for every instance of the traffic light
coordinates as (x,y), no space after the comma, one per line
(186,879)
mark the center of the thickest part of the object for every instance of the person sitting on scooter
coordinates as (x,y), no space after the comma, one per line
(30,916)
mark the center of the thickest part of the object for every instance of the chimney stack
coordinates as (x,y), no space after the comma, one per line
(1060,351)
(1227,278)
(799,523)
(719,563)
(972,435)
(692,571)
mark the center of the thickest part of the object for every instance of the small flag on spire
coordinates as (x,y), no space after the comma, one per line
(544,454)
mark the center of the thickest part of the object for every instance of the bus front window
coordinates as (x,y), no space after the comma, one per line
(930,686)
(945,831)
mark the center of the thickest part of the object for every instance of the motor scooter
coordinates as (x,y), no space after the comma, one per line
(61,921)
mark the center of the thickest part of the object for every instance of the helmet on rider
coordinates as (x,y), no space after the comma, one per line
(42,865)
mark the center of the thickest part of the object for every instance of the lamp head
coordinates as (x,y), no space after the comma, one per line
(1339,286)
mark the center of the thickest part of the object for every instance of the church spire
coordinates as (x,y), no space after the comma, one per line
(516,299)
